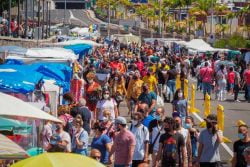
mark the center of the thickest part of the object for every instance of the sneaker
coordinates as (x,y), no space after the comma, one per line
(237,101)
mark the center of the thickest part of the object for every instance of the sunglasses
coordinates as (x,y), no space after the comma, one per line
(96,157)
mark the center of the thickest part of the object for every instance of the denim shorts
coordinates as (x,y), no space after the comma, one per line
(231,85)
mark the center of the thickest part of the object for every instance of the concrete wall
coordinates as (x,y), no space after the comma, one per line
(27,43)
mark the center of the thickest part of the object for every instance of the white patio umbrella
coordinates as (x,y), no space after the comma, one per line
(10,150)
(11,106)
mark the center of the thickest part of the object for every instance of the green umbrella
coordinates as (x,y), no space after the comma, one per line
(16,126)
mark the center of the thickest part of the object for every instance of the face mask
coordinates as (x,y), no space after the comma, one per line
(105,96)
(90,80)
(117,128)
(187,126)
(180,95)
(66,103)
(157,117)
(105,119)
(241,136)
(134,122)
(58,127)
(177,125)
(135,77)
(144,89)
(209,125)
(116,78)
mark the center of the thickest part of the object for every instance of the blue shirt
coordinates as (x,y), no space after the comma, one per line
(100,144)
(181,107)
(147,120)
(147,98)
(83,137)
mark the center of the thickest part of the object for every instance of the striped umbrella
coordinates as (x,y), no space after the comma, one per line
(10,150)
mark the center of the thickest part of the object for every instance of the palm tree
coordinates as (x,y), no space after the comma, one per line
(221,29)
(242,14)
(201,10)
(230,16)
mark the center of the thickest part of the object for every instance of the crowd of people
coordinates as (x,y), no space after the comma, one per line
(140,76)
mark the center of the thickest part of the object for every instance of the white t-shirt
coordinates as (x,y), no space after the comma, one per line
(66,137)
(141,136)
(184,133)
(106,104)
(46,135)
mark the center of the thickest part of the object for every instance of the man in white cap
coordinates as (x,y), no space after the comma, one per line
(124,144)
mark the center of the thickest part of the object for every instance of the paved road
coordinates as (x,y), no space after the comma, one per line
(74,17)
(233,111)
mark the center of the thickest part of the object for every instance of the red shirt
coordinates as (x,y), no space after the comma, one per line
(247,77)
(140,65)
(206,74)
(231,77)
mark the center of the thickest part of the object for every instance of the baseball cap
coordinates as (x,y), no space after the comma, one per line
(120,120)
(211,118)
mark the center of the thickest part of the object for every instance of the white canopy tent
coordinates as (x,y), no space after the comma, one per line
(11,106)
(45,54)
(76,42)
(127,38)
(163,41)
(199,45)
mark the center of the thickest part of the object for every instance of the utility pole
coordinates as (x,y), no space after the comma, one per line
(47,19)
(18,17)
(160,28)
(43,19)
(109,19)
(26,19)
(65,7)
(9,30)
(38,20)
(33,18)
(212,17)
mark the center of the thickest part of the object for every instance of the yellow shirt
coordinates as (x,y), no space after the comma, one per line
(119,88)
(134,88)
(151,81)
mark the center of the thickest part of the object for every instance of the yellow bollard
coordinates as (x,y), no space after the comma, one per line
(186,88)
(220,117)
(178,82)
(221,122)
(192,100)
(207,105)
(207,110)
